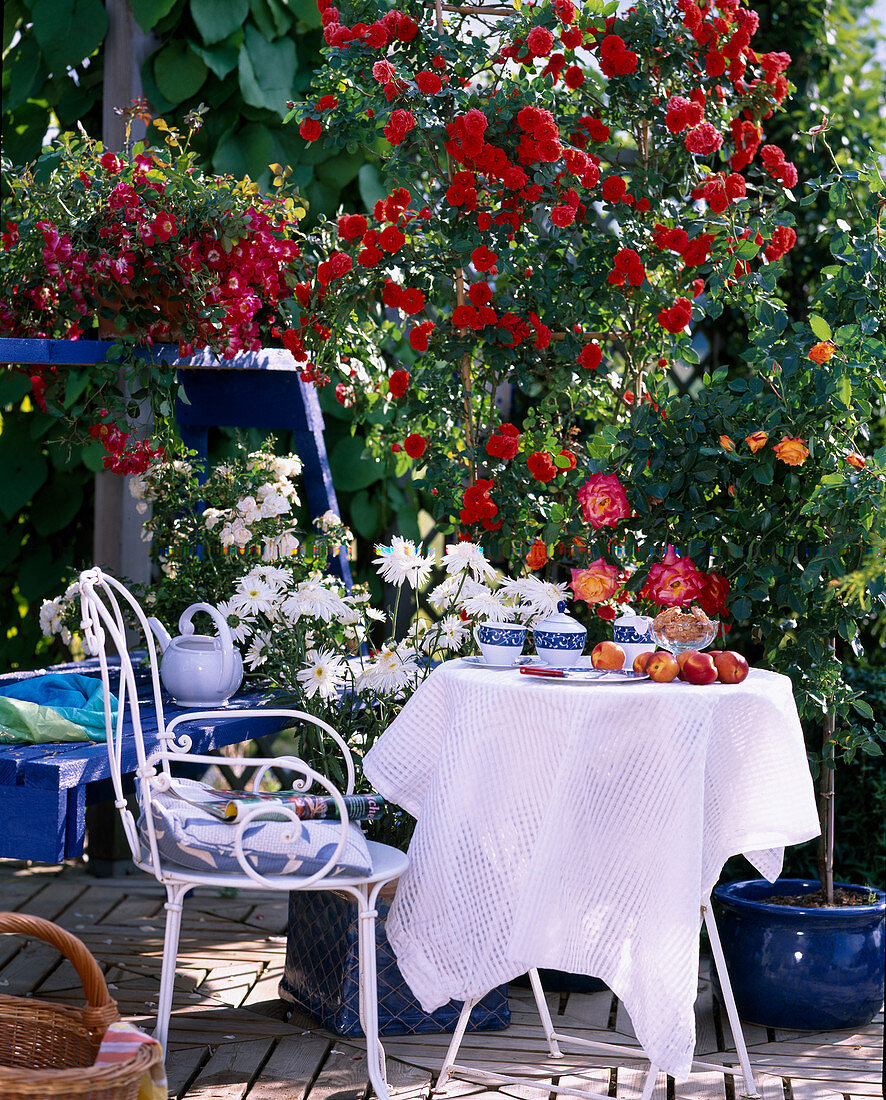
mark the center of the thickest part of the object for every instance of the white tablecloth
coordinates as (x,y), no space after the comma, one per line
(579,827)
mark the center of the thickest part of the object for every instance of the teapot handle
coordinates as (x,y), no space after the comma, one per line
(186,626)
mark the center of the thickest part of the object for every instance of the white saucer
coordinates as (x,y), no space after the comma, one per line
(481,662)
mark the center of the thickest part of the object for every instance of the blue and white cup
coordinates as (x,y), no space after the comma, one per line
(500,643)
(559,648)
(634,634)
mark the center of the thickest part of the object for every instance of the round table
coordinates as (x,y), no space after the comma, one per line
(580,827)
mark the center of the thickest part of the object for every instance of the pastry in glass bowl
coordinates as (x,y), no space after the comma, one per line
(677,630)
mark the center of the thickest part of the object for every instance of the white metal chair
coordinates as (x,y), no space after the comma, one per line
(301,855)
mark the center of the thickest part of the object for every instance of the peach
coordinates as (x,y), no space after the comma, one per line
(699,668)
(642,660)
(681,659)
(608,655)
(732,668)
(661,667)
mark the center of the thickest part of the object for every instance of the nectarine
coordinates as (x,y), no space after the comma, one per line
(699,668)
(642,660)
(732,668)
(608,655)
(661,667)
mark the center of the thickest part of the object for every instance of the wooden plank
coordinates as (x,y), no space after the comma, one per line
(590,1081)
(182,1066)
(288,1073)
(701,1085)
(623,1023)
(769,1088)
(705,1030)
(588,1008)
(812,1090)
(343,1075)
(230,1068)
(629,1085)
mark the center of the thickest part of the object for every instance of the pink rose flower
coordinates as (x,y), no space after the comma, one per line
(603,500)
(674,582)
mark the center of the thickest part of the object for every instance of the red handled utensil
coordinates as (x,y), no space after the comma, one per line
(528,670)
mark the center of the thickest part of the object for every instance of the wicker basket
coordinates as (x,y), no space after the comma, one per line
(48,1050)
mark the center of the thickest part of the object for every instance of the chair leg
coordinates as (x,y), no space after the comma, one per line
(750,1085)
(368,993)
(175,897)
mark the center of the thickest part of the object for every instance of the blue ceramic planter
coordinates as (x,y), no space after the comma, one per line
(801,968)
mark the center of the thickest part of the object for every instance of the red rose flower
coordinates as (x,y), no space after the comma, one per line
(428,82)
(415,445)
(541,466)
(419,336)
(677,317)
(310,129)
(590,356)
(398,383)
(483,259)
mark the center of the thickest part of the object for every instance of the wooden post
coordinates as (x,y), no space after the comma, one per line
(117,544)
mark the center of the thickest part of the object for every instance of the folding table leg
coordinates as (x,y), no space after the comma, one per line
(454,1044)
(546,1022)
(750,1085)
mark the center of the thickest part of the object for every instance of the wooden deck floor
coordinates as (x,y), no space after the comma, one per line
(231,1038)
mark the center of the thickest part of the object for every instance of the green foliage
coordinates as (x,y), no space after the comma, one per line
(45,522)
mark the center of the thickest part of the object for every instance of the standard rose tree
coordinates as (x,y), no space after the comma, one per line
(566,193)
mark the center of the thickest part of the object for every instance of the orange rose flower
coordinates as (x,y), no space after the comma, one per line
(599,582)
(791,451)
(537,556)
(822,351)
(756,440)
(726,443)
(856,460)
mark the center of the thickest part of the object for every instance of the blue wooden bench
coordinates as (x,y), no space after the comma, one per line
(257,390)
(45,789)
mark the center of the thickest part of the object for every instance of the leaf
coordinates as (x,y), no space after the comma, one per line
(365,514)
(267,70)
(351,468)
(307,13)
(56,505)
(26,73)
(246,153)
(271,17)
(216,19)
(179,72)
(819,326)
(68,30)
(370,185)
(148,13)
(24,470)
(222,57)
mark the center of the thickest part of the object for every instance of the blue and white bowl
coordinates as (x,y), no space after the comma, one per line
(559,639)
(500,643)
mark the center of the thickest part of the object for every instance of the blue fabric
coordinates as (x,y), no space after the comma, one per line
(71,696)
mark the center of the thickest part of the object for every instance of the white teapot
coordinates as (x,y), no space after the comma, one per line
(198,670)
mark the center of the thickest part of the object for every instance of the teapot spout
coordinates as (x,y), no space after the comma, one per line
(160,632)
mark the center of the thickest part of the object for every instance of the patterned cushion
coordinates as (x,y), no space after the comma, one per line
(190,837)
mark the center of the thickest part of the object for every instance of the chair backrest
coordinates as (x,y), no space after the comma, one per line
(106,605)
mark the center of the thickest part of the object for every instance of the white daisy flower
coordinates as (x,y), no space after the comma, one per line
(273,574)
(241,626)
(488,605)
(388,673)
(257,654)
(401,562)
(313,598)
(323,674)
(540,598)
(448,634)
(466,555)
(254,594)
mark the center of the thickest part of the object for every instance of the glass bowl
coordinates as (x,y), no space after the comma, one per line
(675,646)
